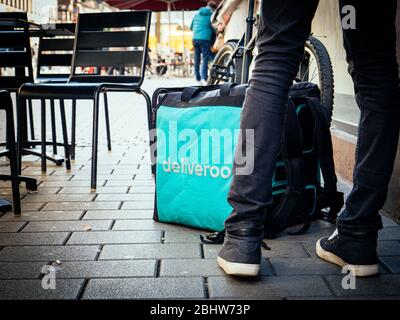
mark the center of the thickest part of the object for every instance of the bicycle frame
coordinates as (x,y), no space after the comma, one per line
(248,38)
(244,47)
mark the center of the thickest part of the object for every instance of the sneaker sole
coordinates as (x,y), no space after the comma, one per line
(356,270)
(239,269)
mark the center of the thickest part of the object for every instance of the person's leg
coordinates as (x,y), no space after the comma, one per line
(206,56)
(285,26)
(371,54)
(197,59)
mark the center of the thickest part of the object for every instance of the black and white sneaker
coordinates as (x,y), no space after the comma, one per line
(357,254)
(241,253)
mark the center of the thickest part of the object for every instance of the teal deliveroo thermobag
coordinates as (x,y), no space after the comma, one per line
(197,131)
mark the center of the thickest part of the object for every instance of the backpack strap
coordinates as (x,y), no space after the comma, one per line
(189,92)
(226,89)
(330,197)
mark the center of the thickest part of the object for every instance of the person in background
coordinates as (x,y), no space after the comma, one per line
(371,55)
(203,35)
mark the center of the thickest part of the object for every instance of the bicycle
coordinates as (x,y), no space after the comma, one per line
(234,62)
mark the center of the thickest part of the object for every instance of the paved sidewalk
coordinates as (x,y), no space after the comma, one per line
(105,245)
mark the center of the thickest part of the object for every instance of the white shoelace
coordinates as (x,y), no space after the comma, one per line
(334,234)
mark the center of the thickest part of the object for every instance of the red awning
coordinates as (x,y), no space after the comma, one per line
(157,5)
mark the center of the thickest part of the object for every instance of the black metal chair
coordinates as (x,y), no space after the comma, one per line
(54,66)
(16,54)
(11,152)
(16,58)
(106,44)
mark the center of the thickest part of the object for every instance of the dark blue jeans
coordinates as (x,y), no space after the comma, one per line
(202,55)
(371,53)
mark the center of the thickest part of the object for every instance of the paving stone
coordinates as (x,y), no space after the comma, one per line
(83,172)
(279,249)
(119,183)
(21,239)
(318,230)
(115,237)
(143,183)
(53,226)
(59,198)
(106,269)
(388,222)
(82,206)
(43,216)
(32,171)
(119,171)
(10,226)
(199,267)
(144,177)
(138,190)
(133,183)
(99,190)
(118,214)
(41,191)
(32,290)
(389,248)
(150,251)
(49,253)
(302,266)
(182,236)
(137,205)
(393,263)
(309,247)
(108,177)
(383,285)
(126,197)
(21,270)
(54,178)
(390,233)
(145,288)
(70,184)
(149,225)
(264,287)
(32,206)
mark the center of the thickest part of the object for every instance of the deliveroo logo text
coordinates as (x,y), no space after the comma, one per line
(200,170)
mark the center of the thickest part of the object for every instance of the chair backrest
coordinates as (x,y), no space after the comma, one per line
(111,47)
(55,54)
(15,54)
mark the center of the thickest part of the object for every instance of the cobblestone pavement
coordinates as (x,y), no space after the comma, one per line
(104,245)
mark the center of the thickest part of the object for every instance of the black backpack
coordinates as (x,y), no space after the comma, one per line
(306,154)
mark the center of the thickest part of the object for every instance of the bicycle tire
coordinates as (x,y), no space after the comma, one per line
(227,51)
(326,83)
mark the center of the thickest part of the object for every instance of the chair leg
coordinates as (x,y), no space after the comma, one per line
(53,126)
(73,130)
(107,121)
(150,126)
(31,120)
(12,151)
(21,116)
(43,137)
(65,135)
(149,110)
(95,140)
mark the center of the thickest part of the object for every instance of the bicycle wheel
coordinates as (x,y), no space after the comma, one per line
(316,67)
(224,69)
